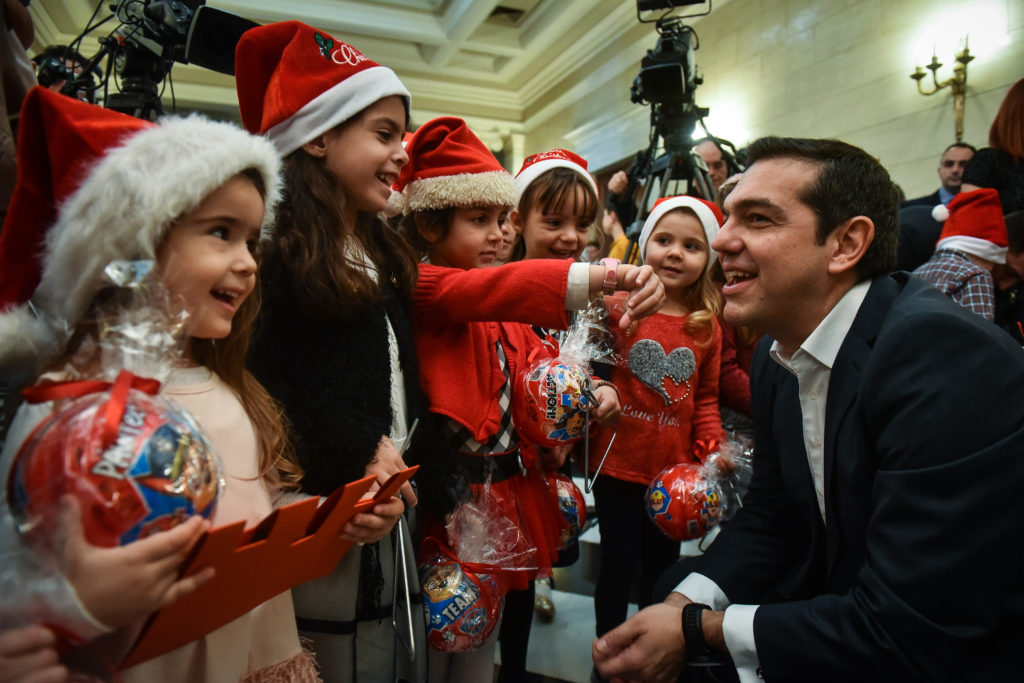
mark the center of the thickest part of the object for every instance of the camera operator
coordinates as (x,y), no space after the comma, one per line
(58,64)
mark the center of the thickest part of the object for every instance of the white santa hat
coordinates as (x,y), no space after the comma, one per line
(295,82)
(536,165)
(95,186)
(708,213)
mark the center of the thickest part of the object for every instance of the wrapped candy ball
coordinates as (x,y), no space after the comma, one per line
(684,501)
(550,406)
(462,607)
(572,504)
(156,472)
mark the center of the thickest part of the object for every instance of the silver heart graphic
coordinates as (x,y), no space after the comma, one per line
(650,364)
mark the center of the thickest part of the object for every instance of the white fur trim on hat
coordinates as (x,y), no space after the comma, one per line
(129,200)
(491,188)
(974,246)
(336,105)
(534,171)
(707,220)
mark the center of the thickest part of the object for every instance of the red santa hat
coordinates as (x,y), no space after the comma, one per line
(449,166)
(536,165)
(95,186)
(708,213)
(295,83)
(974,224)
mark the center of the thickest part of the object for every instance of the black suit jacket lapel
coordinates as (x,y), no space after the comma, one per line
(843,392)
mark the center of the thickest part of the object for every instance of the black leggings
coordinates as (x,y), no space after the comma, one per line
(631,548)
(514,635)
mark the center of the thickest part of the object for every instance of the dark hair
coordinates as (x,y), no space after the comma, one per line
(1007,131)
(306,245)
(550,191)
(850,182)
(436,219)
(959,144)
(1015,232)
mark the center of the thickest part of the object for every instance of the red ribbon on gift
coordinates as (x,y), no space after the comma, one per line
(703,449)
(115,406)
(471,567)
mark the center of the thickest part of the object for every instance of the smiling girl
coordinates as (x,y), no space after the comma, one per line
(669,390)
(456,196)
(334,338)
(198,215)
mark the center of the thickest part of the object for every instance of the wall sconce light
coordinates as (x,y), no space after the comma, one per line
(957,83)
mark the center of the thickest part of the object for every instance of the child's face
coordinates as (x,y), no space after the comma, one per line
(473,240)
(508,238)
(207,260)
(560,234)
(366,154)
(677,251)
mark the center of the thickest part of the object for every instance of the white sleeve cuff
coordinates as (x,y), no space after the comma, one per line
(738,630)
(700,588)
(577,293)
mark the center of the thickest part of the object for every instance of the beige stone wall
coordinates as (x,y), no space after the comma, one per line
(805,68)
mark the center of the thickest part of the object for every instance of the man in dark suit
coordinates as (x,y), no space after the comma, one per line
(951,171)
(881,535)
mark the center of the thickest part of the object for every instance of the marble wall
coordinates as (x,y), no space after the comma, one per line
(805,68)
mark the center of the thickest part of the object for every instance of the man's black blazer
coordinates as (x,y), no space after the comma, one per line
(919,572)
(930,200)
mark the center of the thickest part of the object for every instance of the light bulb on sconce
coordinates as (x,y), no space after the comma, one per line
(957,83)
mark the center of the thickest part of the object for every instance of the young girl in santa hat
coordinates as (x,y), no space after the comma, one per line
(669,385)
(455,196)
(334,343)
(556,204)
(197,214)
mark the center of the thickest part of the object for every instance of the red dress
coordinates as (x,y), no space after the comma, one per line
(469,366)
(669,396)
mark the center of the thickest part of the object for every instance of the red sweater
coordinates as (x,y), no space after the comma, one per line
(459,370)
(661,418)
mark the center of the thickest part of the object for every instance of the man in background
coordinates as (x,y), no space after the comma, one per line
(951,172)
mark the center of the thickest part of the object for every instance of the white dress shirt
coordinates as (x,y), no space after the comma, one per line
(812,364)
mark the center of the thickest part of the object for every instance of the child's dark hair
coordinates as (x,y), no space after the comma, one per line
(550,191)
(306,245)
(427,219)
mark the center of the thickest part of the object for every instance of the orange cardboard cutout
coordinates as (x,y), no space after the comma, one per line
(291,545)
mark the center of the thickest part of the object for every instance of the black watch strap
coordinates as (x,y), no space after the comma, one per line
(697,651)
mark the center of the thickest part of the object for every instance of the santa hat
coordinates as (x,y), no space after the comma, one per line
(295,83)
(450,166)
(708,213)
(95,186)
(536,165)
(974,224)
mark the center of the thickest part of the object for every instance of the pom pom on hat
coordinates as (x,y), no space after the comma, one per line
(449,166)
(295,83)
(940,213)
(976,225)
(708,213)
(96,186)
(536,165)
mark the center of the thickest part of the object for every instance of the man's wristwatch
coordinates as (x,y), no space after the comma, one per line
(611,275)
(697,651)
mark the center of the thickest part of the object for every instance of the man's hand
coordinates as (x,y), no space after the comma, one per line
(648,647)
